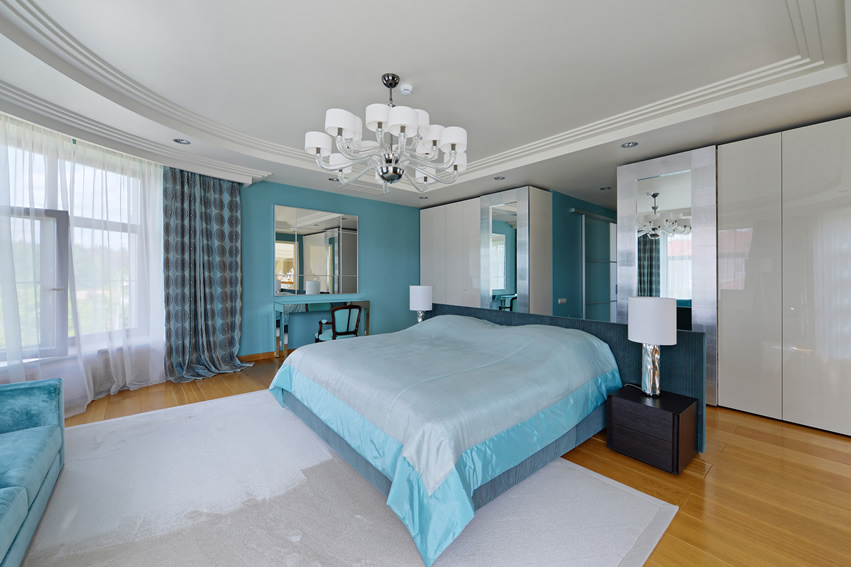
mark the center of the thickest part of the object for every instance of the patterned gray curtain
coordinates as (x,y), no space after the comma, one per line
(648,267)
(203,278)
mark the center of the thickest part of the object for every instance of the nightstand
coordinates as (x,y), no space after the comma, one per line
(658,431)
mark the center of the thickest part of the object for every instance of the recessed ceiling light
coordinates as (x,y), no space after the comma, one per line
(181,141)
(629,144)
(605,188)
(499,177)
(423,198)
(333,179)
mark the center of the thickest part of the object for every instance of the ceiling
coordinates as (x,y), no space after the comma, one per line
(547,90)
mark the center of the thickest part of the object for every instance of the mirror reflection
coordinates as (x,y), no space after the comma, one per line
(315,251)
(663,219)
(503,257)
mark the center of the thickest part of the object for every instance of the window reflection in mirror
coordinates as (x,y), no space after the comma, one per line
(315,251)
(663,208)
(503,257)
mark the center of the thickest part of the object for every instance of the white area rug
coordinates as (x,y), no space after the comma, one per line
(241,481)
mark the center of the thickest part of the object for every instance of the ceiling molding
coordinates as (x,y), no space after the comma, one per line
(33,30)
(25,23)
(163,153)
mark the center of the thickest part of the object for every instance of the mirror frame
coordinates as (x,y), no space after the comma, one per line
(701,163)
(300,292)
(521,197)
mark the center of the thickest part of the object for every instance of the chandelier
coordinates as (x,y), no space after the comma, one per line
(406,145)
(656,225)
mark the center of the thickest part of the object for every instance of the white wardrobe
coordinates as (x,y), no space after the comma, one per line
(784,275)
(450,252)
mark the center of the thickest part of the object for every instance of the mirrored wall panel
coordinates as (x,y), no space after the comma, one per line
(505,250)
(315,252)
(667,241)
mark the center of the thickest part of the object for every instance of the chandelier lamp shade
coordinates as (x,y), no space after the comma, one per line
(406,145)
(655,225)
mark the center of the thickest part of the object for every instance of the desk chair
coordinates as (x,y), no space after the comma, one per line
(344,323)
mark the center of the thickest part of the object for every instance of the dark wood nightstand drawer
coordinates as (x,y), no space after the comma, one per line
(660,431)
(659,424)
(645,448)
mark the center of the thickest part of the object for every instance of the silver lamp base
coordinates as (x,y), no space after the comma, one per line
(420,316)
(650,370)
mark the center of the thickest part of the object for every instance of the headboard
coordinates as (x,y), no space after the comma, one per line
(683,365)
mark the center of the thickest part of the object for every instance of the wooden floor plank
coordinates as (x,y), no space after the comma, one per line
(764,492)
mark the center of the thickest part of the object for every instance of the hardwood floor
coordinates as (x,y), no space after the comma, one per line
(764,492)
(171,394)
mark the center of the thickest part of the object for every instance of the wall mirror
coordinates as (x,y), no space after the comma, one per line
(503,257)
(315,252)
(670,250)
(505,250)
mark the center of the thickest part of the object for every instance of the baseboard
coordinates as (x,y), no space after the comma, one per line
(256,357)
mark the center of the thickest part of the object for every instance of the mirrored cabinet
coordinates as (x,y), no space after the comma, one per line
(494,251)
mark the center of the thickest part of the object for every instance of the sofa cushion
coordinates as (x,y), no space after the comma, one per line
(13,512)
(26,456)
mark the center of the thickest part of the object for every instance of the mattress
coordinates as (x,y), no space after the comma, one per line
(446,406)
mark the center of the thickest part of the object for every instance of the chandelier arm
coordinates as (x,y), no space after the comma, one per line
(344,182)
(325,166)
(440,176)
(420,187)
(356,156)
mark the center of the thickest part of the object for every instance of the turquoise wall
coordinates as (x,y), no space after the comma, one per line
(567,253)
(388,258)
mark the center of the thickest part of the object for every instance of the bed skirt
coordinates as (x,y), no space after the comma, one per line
(584,430)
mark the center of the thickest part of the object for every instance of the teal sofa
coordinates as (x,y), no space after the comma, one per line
(32,452)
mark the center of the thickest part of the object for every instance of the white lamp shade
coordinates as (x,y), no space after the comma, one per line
(652,320)
(339,162)
(403,116)
(336,119)
(358,129)
(453,135)
(460,163)
(422,122)
(434,133)
(420,298)
(311,287)
(375,114)
(317,140)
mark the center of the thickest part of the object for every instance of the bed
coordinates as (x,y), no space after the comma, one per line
(444,416)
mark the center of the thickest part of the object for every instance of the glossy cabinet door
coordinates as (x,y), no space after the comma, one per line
(450,252)
(750,359)
(817,276)
(471,225)
(433,251)
(455,254)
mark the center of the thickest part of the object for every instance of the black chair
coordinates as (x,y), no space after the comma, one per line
(345,320)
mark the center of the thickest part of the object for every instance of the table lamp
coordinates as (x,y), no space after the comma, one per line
(420,300)
(653,322)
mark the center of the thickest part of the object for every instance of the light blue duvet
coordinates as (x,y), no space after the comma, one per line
(445,406)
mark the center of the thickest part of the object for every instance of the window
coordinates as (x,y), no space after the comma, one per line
(39,241)
(497,261)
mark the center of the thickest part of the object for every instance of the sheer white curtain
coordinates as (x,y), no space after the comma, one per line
(81,256)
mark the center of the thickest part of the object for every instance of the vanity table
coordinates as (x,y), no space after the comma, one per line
(301,319)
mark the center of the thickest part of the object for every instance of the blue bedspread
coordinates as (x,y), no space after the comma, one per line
(445,406)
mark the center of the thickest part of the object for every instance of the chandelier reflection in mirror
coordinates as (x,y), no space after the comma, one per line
(406,145)
(655,225)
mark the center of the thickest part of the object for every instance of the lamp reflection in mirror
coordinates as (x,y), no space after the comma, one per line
(420,300)
(653,322)
(311,287)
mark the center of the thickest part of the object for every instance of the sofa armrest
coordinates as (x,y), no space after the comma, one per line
(31,404)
